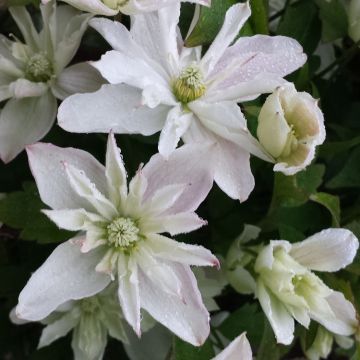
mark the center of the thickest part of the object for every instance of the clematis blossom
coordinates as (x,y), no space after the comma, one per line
(90,320)
(158,84)
(288,289)
(33,74)
(128,7)
(119,235)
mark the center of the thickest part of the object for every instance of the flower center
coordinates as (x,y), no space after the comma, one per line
(39,68)
(190,85)
(122,233)
(291,143)
(90,305)
(115,4)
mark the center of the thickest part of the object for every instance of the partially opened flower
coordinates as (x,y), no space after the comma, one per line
(158,84)
(291,125)
(33,74)
(91,320)
(287,288)
(238,349)
(119,235)
(128,7)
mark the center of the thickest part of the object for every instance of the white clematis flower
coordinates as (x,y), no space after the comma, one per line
(287,288)
(157,84)
(290,127)
(238,349)
(119,237)
(91,320)
(128,7)
(33,74)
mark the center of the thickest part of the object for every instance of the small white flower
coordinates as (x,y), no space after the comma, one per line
(128,7)
(287,288)
(91,320)
(119,237)
(33,74)
(291,125)
(238,349)
(158,84)
(354,20)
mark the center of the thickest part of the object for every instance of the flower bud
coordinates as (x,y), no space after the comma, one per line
(354,20)
(291,125)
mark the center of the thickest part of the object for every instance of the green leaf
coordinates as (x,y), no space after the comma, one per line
(302,23)
(209,23)
(185,351)
(290,233)
(22,210)
(349,176)
(295,190)
(259,16)
(332,203)
(334,19)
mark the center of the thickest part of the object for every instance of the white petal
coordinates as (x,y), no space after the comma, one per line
(238,349)
(86,189)
(22,88)
(234,20)
(47,166)
(46,289)
(128,293)
(115,172)
(187,318)
(24,121)
(280,320)
(134,200)
(190,164)
(226,120)
(232,170)
(343,321)
(186,254)
(58,329)
(92,6)
(78,78)
(175,126)
(328,250)
(113,107)
(73,220)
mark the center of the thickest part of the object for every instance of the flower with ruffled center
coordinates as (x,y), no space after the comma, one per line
(119,237)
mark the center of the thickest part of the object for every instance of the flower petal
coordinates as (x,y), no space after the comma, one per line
(128,292)
(187,165)
(113,107)
(328,250)
(280,320)
(47,166)
(45,290)
(234,20)
(92,6)
(186,254)
(24,121)
(78,78)
(238,349)
(187,318)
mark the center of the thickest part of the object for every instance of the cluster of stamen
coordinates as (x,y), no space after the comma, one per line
(122,233)
(39,68)
(189,86)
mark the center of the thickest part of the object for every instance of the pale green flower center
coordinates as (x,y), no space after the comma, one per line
(292,143)
(122,233)
(90,305)
(115,4)
(189,86)
(39,68)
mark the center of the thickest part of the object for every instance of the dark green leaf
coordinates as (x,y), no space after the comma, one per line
(185,351)
(259,16)
(332,203)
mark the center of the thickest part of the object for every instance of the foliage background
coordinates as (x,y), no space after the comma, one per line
(325,195)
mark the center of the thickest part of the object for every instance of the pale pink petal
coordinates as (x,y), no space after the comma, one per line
(47,166)
(190,165)
(114,107)
(238,349)
(187,318)
(186,254)
(234,20)
(328,250)
(67,274)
